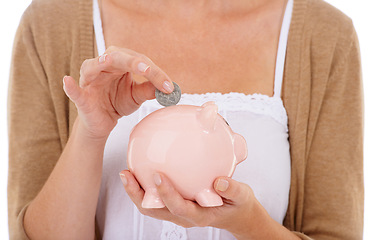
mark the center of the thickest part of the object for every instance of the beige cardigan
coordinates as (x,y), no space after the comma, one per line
(322,92)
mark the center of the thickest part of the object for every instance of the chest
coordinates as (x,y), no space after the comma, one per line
(211,55)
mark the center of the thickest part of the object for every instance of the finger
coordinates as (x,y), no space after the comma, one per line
(91,69)
(132,187)
(121,61)
(173,200)
(72,90)
(125,60)
(136,193)
(102,68)
(142,92)
(232,190)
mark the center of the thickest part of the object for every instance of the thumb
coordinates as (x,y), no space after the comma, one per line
(72,90)
(143,91)
(234,191)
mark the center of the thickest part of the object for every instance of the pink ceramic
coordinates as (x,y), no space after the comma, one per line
(191,145)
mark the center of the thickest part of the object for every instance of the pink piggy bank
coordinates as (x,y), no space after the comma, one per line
(191,145)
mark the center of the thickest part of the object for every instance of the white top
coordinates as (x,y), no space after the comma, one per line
(260,119)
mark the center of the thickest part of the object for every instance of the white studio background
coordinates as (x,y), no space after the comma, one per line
(11,12)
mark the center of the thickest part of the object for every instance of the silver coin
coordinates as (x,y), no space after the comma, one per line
(169,99)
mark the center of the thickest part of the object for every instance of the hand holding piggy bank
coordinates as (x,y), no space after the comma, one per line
(191,145)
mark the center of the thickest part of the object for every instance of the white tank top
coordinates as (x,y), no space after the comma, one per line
(261,119)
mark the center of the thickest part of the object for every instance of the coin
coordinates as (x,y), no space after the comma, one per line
(169,99)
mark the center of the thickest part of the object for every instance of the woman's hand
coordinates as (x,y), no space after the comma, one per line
(241,213)
(107,90)
(234,215)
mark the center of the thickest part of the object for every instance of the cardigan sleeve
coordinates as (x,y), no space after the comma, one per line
(34,142)
(334,192)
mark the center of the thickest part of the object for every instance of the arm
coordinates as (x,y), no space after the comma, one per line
(333,203)
(65,207)
(35,145)
(62,205)
(34,140)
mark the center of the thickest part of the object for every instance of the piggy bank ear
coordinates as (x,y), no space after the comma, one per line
(240,148)
(207,116)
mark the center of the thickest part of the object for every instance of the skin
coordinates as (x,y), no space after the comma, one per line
(227,34)
(106,93)
(241,213)
(117,83)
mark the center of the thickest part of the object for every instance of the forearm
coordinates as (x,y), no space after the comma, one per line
(263,227)
(65,207)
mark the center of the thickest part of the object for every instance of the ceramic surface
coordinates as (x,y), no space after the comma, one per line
(191,145)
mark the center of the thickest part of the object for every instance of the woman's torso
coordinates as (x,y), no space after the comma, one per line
(261,119)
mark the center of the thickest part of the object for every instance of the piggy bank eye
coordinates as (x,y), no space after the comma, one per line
(226,122)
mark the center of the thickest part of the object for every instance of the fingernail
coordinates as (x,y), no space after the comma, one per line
(102,58)
(157,179)
(143,67)
(168,86)
(222,185)
(64,86)
(123,179)
(63,80)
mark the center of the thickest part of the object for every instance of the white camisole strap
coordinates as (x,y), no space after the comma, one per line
(98,31)
(280,58)
(282,48)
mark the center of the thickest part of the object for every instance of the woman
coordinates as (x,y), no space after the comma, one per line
(65,155)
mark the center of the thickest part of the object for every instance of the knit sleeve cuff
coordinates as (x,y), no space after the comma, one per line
(20,224)
(302,236)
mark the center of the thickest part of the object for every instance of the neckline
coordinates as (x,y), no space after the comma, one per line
(231,102)
(280,56)
(231,94)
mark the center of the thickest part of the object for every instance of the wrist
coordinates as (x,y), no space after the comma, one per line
(86,135)
(252,222)
(260,225)
(82,145)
